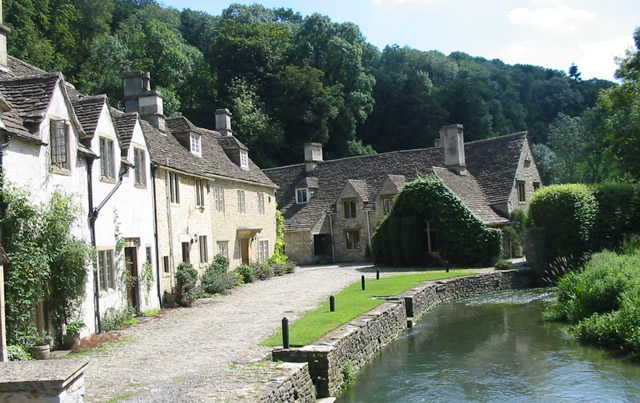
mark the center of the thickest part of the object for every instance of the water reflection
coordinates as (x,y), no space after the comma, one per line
(494,348)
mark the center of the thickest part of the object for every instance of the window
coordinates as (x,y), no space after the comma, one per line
(244,159)
(59,144)
(261,203)
(199,193)
(174,187)
(186,246)
(202,241)
(165,264)
(242,208)
(353,239)
(107,163)
(196,144)
(387,204)
(223,249)
(349,208)
(140,167)
(536,186)
(263,251)
(522,196)
(219,199)
(106,269)
(148,253)
(302,196)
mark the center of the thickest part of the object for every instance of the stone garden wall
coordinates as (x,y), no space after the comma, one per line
(292,384)
(336,358)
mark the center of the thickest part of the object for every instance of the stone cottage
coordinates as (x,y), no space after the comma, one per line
(331,208)
(210,197)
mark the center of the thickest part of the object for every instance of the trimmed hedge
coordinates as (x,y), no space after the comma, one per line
(618,214)
(568,215)
(462,238)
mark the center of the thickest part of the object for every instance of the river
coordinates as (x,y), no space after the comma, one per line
(494,348)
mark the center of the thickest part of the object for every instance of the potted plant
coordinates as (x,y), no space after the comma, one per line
(72,333)
(41,349)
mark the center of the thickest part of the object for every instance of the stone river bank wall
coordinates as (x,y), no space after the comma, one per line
(337,357)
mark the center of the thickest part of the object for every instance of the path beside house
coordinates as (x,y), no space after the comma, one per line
(210,352)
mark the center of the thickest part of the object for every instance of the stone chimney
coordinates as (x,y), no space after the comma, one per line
(452,139)
(312,155)
(4,30)
(223,121)
(138,97)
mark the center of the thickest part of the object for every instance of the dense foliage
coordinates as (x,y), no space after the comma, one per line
(602,301)
(290,79)
(186,284)
(217,279)
(462,238)
(47,263)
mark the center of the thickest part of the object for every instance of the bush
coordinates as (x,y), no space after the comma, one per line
(568,214)
(17,353)
(217,279)
(618,214)
(246,273)
(186,280)
(220,263)
(503,265)
(461,237)
(114,319)
(263,271)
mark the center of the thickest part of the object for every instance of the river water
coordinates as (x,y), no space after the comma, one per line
(494,348)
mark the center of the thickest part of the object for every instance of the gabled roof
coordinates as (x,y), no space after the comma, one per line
(88,110)
(125,123)
(31,96)
(167,151)
(491,165)
(18,68)
(14,125)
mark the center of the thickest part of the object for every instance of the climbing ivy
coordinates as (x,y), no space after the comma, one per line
(47,264)
(278,256)
(461,236)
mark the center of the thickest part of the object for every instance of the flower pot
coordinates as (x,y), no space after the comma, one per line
(69,340)
(40,352)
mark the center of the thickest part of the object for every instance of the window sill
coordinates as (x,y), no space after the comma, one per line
(106,179)
(140,185)
(60,171)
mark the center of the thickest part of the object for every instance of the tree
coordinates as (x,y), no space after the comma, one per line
(574,73)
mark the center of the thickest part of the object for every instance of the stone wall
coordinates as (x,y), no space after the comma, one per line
(528,173)
(292,384)
(350,347)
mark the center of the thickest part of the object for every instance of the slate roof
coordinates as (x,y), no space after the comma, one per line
(167,151)
(124,122)
(17,68)
(490,165)
(88,111)
(14,125)
(30,95)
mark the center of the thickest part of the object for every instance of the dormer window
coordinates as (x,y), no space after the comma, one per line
(302,196)
(244,159)
(196,144)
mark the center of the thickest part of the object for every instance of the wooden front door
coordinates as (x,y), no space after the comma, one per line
(244,245)
(133,288)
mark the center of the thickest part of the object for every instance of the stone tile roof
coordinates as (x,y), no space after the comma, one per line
(166,150)
(30,95)
(88,111)
(14,125)
(490,164)
(125,123)
(18,68)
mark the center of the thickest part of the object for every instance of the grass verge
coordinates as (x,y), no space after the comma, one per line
(353,302)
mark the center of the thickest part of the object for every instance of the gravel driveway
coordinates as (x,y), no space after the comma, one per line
(210,352)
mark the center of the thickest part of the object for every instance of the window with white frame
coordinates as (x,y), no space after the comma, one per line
(261,203)
(107,162)
(106,269)
(140,167)
(223,248)
(196,144)
(174,187)
(219,199)
(59,141)
(302,196)
(202,241)
(263,251)
(244,159)
(200,184)
(242,207)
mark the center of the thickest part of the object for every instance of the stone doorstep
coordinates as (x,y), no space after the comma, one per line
(40,375)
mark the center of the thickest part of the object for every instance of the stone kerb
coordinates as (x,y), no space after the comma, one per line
(292,384)
(43,381)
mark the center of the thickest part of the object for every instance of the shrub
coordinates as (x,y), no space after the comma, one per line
(618,214)
(567,213)
(216,282)
(278,269)
(17,353)
(503,265)
(278,256)
(263,271)
(246,273)
(186,279)
(220,263)
(461,236)
(114,319)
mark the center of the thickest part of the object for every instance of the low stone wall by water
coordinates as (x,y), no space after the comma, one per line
(292,384)
(341,353)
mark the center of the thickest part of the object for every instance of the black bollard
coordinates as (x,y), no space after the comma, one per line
(377,274)
(363,286)
(332,304)
(285,333)
(447,266)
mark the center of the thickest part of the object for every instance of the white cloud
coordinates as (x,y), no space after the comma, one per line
(559,18)
(400,2)
(597,58)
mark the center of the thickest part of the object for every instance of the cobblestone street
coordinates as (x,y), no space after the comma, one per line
(210,352)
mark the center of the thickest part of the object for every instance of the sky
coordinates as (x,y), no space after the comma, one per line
(548,33)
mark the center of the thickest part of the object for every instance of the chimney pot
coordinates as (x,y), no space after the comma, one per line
(4,30)
(138,97)
(452,139)
(223,121)
(312,155)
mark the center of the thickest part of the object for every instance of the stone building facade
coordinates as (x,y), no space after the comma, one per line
(331,208)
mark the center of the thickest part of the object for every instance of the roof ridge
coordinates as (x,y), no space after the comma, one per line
(522,133)
(34,77)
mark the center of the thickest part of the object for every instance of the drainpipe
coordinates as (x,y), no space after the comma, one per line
(155,232)
(93,216)
(368,230)
(333,250)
